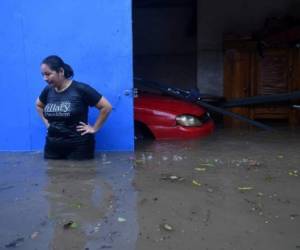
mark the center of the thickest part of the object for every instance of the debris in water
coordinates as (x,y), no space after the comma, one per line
(177,158)
(15,243)
(196,183)
(70,225)
(200,169)
(206,164)
(167,227)
(293,216)
(293,173)
(121,220)
(280,156)
(171,178)
(242,189)
(34,235)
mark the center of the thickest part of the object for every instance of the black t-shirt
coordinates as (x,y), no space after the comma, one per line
(64,110)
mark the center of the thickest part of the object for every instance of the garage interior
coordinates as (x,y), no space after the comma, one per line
(234,49)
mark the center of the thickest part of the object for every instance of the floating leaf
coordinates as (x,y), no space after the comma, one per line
(245,188)
(196,183)
(70,224)
(121,220)
(200,169)
(293,173)
(74,225)
(207,164)
(167,227)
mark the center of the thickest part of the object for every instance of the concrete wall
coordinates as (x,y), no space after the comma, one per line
(238,16)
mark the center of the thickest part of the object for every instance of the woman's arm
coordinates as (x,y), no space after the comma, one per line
(105,108)
(40,108)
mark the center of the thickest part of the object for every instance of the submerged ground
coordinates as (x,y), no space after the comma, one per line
(232,190)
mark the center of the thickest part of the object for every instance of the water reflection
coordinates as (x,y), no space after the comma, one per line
(39,197)
(91,196)
(75,194)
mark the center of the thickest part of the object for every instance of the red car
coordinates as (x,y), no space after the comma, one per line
(165,117)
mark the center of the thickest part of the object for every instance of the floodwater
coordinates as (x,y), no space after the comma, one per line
(231,190)
(67,204)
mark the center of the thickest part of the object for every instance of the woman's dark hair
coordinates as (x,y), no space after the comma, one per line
(56,63)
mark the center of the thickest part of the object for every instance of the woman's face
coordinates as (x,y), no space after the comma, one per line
(52,77)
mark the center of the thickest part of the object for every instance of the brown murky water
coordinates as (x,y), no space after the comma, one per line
(67,204)
(232,190)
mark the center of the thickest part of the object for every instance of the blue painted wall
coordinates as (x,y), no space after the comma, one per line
(93,36)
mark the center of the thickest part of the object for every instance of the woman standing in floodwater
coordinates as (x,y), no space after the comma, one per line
(63,106)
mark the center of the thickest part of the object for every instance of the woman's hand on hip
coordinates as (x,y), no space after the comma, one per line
(85,128)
